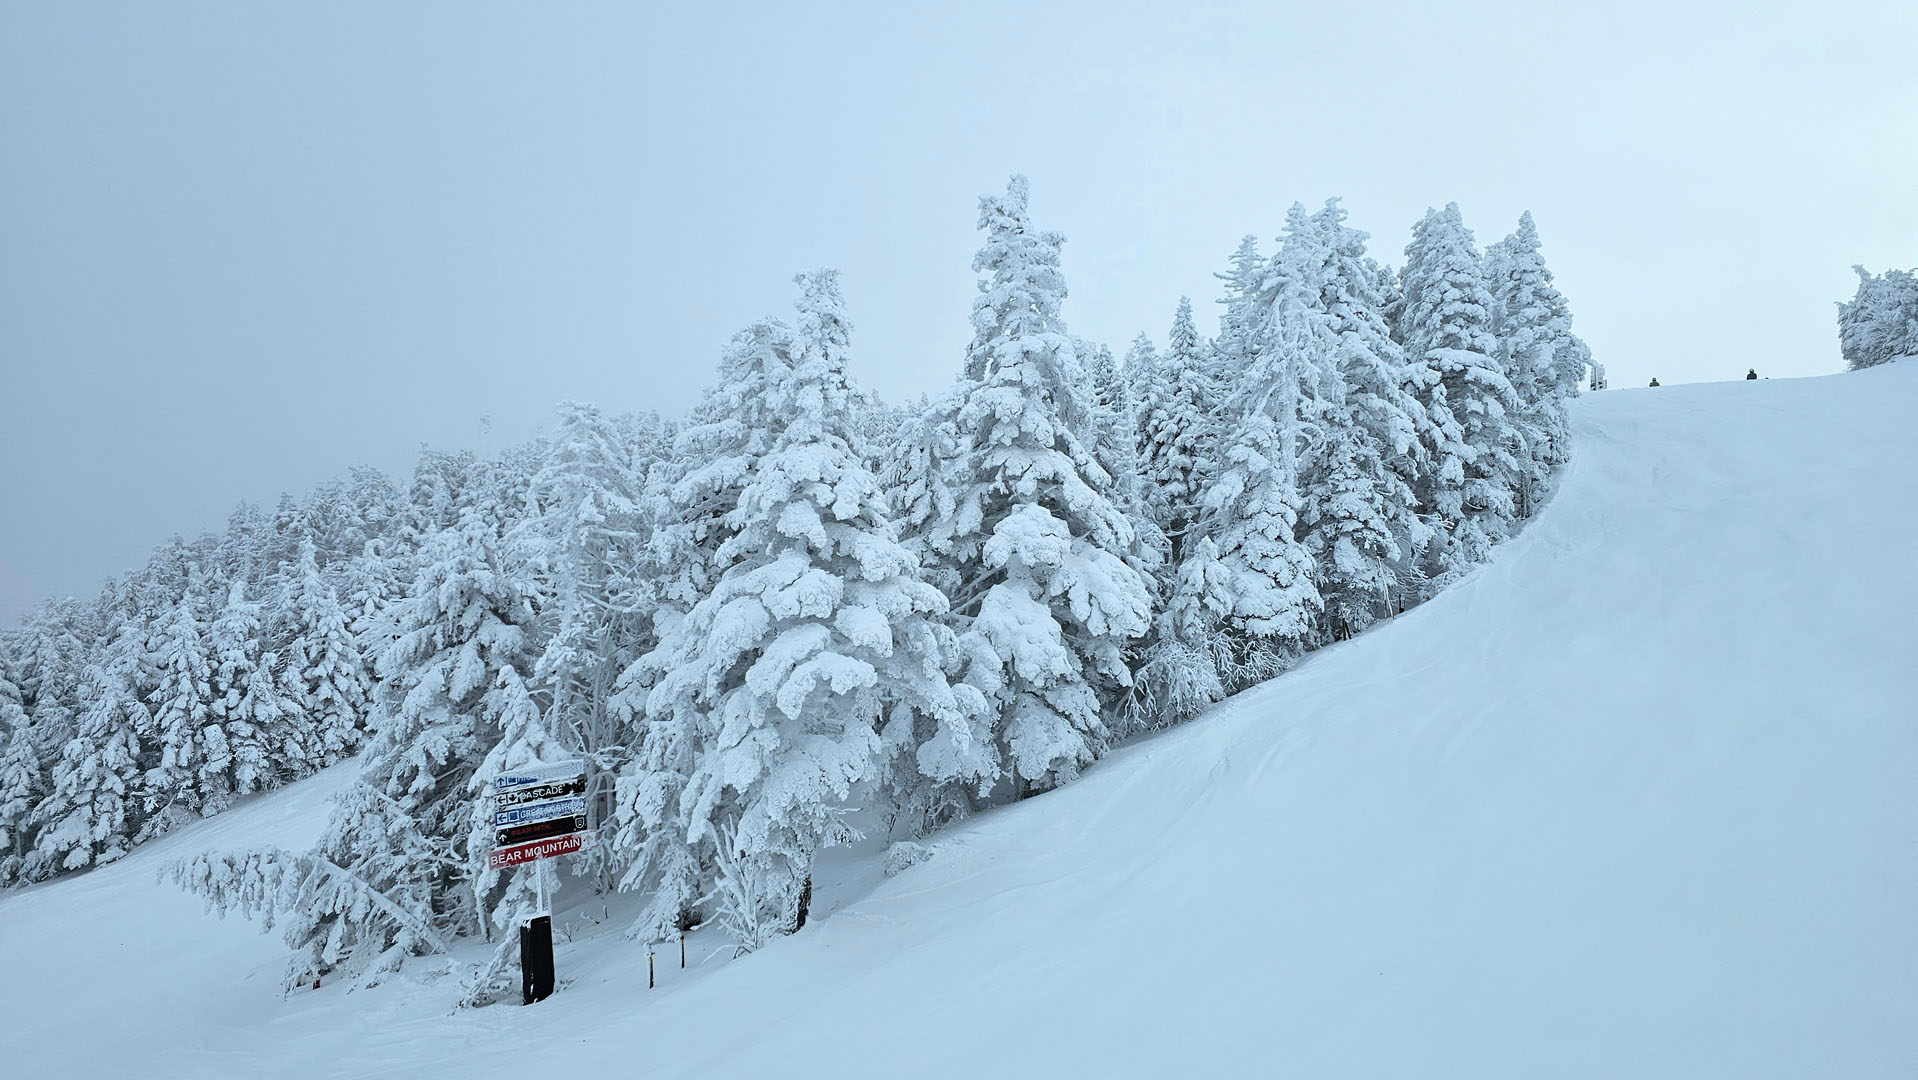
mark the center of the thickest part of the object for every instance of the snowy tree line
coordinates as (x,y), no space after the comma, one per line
(800,613)
(1880,323)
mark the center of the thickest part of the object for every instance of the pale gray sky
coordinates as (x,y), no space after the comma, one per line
(245,246)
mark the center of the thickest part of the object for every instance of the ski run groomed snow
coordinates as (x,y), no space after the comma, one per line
(1638,798)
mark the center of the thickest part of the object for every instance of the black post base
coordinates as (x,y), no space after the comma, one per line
(536,958)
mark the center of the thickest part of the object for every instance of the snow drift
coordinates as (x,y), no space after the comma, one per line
(1637,798)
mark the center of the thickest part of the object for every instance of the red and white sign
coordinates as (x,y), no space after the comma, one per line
(538,849)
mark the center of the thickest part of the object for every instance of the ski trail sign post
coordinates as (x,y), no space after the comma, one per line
(539,812)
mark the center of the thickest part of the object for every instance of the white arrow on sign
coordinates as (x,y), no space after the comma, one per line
(538,774)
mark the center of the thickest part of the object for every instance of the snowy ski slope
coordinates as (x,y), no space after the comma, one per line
(1637,799)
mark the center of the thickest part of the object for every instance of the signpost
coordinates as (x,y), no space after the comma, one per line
(539,812)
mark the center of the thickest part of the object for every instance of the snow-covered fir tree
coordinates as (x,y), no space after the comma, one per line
(93,810)
(22,782)
(323,677)
(817,658)
(248,727)
(692,503)
(1361,522)
(1233,349)
(182,714)
(1445,327)
(916,474)
(1255,581)
(587,545)
(1046,597)
(1880,322)
(1110,426)
(1177,418)
(461,643)
(1543,359)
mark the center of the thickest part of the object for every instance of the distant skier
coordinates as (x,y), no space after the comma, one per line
(1751,374)
(1654,380)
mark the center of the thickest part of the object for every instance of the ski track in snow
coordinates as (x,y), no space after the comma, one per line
(1637,798)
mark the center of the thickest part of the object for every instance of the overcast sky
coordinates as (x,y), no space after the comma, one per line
(245,246)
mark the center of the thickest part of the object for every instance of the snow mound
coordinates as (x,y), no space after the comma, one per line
(1637,798)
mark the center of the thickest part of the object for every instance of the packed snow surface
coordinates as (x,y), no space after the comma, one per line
(1638,798)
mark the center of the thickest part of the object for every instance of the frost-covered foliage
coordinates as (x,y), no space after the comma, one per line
(1046,599)
(798,606)
(1256,582)
(1545,361)
(452,684)
(1361,521)
(1446,324)
(816,659)
(1880,322)
(323,676)
(1177,420)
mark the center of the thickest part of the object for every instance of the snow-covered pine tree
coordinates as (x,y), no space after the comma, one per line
(916,472)
(399,837)
(244,551)
(1445,326)
(1880,322)
(692,497)
(1139,369)
(1256,578)
(182,714)
(249,735)
(1109,428)
(443,484)
(587,546)
(1046,597)
(22,783)
(1233,350)
(93,812)
(730,431)
(55,641)
(1178,416)
(1540,355)
(818,654)
(1361,522)
(323,677)
(49,669)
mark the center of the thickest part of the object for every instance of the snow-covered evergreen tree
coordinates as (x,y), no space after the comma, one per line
(94,808)
(1256,579)
(730,431)
(1543,359)
(1109,431)
(1139,368)
(22,782)
(1880,322)
(182,714)
(1445,326)
(587,544)
(1234,348)
(1361,515)
(1178,416)
(917,472)
(692,498)
(818,655)
(461,640)
(323,677)
(1046,597)
(247,732)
